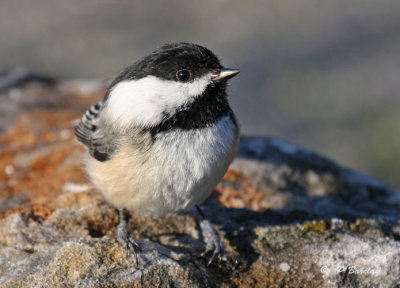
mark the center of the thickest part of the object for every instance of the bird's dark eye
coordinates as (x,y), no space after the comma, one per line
(183,75)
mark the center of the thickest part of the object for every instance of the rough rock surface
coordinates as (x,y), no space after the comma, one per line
(288,217)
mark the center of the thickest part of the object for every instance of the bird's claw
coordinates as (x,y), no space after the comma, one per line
(217,253)
(125,239)
(213,242)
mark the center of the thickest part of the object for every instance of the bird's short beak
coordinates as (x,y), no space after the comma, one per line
(224,74)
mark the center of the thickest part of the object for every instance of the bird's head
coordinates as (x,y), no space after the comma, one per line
(169,80)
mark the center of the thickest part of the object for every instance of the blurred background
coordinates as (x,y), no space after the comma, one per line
(320,74)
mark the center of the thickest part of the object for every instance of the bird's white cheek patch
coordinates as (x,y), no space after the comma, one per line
(144,102)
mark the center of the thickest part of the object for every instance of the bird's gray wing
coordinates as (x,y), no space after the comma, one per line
(98,140)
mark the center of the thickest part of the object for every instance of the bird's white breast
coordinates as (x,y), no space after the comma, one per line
(179,171)
(193,162)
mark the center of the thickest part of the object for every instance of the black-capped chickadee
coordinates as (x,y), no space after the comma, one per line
(163,136)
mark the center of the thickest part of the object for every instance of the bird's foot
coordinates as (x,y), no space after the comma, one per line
(213,241)
(125,239)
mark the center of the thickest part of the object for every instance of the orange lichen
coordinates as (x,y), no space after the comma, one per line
(237,192)
(39,155)
(232,175)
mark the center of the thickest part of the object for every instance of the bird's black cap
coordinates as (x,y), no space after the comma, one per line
(170,58)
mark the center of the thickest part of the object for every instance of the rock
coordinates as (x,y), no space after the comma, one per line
(287,216)
(11,78)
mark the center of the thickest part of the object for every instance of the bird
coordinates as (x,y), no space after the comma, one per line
(163,137)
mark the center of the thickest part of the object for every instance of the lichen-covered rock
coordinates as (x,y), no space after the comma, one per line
(64,251)
(288,217)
